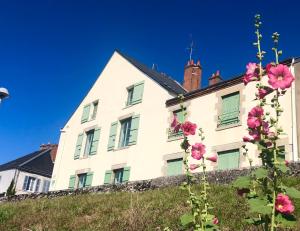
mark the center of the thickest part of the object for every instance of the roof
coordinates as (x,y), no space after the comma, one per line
(38,162)
(227,83)
(163,80)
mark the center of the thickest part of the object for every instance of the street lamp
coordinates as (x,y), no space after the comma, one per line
(3,93)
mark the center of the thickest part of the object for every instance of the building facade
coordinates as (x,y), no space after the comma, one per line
(122,133)
(30,173)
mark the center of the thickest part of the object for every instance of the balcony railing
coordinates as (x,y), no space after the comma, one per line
(228,118)
(172,134)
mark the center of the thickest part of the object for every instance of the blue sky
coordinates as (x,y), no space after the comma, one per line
(51,52)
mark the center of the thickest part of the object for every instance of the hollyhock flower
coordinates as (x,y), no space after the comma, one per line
(251,73)
(198,150)
(271,135)
(265,128)
(247,139)
(175,125)
(188,128)
(215,221)
(262,92)
(255,135)
(194,166)
(253,122)
(213,158)
(280,77)
(286,163)
(283,204)
(256,112)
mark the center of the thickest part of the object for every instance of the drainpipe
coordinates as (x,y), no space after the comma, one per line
(294,121)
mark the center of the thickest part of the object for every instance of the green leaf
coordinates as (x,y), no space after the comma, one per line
(286,220)
(283,168)
(254,221)
(292,192)
(259,205)
(261,173)
(186,219)
(242,182)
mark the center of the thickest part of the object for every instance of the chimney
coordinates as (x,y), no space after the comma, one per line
(215,78)
(53,151)
(192,76)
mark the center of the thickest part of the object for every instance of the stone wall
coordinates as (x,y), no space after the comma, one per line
(216,177)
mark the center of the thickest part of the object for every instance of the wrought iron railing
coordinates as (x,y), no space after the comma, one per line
(172,134)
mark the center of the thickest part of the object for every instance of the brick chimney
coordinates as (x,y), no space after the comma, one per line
(53,151)
(192,76)
(215,78)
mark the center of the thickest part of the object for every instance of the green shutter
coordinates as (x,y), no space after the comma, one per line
(229,159)
(107,177)
(174,167)
(89,179)
(85,113)
(180,115)
(134,129)
(72,182)
(138,93)
(230,109)
(95,141)
(112,136)
(126,174)
(78,146)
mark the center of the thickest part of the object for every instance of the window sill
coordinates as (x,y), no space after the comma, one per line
(121,148)
(130,105)
(175,138)
(223,127)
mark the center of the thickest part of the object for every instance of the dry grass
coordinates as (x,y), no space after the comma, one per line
(151,210)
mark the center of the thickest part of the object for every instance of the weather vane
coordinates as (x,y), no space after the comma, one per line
(191,47)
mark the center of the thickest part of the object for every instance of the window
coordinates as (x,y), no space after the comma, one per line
(174,167)
(125,132)
(135,94)
(46,185)
(29,183)
(81,180)
(118,176)
(180,116)
(229,159)
(88,143)
(95,108)
(230,109)
(129,96)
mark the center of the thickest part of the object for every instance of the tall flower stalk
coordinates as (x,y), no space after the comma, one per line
(199,218)
(268,198)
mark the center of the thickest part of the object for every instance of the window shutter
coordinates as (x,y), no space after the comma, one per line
(25,182)
(78,146)
(85,113)
(126,174)
(112,136)
(107,177)
(138,93)
(174,167)
(134,130)
(230,108)
(180,116)
(37,186)
(89,179)
(72,182)
(229,159)
(95,142)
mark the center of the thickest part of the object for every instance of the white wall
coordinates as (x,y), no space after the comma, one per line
(6,178)
(20,180)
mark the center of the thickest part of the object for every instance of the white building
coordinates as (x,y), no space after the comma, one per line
(120,131)
(31,173)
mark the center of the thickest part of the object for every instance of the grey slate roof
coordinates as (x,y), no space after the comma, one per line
(38,162)
(163,80)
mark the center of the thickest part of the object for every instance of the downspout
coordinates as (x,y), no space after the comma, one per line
(294,120)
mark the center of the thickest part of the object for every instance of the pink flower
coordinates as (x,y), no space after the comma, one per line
(213,158)
(198,150)
(188,128)
(254,117)
(194,166)
(215,221)
(253,122)
(175,125)
(255,135)
(283,204)
(280,77)
(262,92)
(256,112)
(247,139)
(265,128)
(251,73)
(286,163)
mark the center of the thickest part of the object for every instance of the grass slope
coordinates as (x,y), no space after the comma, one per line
(150,210)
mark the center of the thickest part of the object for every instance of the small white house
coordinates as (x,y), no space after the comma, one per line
(31,173)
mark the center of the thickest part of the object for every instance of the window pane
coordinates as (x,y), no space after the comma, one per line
(118,175)
(95,108)
(125,132)
(129,97)
(89,140)
(81,180)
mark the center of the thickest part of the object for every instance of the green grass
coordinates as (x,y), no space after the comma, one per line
(150,210)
